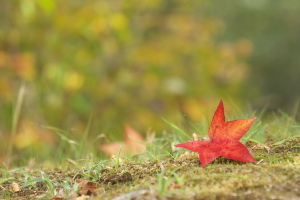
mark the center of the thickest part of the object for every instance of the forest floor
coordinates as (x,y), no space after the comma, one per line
(275,175)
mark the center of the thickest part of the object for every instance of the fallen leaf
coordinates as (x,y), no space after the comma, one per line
(133,144)
(224,139)
(86,187)
(174,187)
(15,187)
(112,149)
(133,140)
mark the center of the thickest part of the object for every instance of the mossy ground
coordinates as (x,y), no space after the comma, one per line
(276,175)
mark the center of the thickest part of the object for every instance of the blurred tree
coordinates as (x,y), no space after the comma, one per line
(273,27)
(123,61)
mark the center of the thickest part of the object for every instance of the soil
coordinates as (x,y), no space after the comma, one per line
(275,175)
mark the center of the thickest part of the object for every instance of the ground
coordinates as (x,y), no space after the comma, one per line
(275,175)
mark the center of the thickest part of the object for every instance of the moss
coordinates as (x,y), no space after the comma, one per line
(288,146)
(276,175)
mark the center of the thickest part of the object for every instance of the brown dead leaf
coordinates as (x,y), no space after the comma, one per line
(112,148)
(174,187)
(86,187)
(15,187)
(133,139)
(134,143)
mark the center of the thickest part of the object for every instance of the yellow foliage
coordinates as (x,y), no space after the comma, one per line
(123,61)
(73,81)
(191,108)
(118,21)
(30,135)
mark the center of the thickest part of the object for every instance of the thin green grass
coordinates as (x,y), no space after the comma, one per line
(83,144)
(15,120)
(275,129)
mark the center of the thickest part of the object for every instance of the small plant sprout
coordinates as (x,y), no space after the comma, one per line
(45,179)
(163,182)
(117,159)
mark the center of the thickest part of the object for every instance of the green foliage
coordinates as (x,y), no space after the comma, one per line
(93,169)
(122,62)
(163,182)
(117,158)
(272,27)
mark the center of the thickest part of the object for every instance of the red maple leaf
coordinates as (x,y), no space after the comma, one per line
(224,139)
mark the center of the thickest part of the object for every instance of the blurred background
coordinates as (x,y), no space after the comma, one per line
(133,62)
